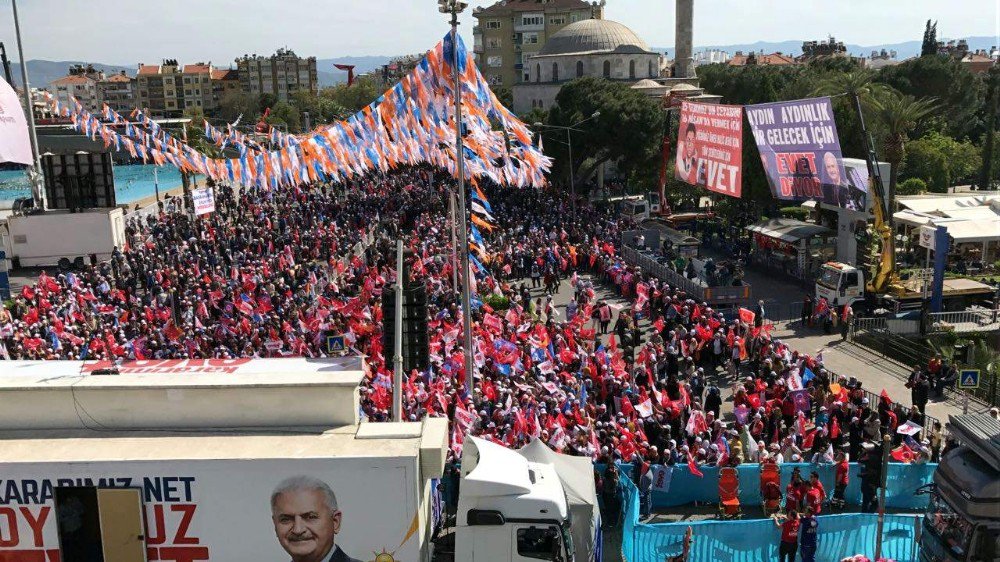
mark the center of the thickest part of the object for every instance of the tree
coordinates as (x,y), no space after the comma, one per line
(266,101)
(235,103)
(929,46)
(629,129)
(941,161)
(898,114)
(860,83)
(960,93)
(989,142)
(505,95)
(286,114)
(354,97)
(912,186)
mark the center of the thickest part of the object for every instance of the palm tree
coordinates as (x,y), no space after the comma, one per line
(897,114)
(860,82)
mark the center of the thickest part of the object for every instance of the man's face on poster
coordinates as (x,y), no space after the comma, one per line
(689,149)
(832,169)
(305,525)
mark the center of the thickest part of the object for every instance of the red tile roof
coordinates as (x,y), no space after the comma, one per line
(146,69)
(197,68)
(72,80)
(119,78)
(508,6)
(224,74)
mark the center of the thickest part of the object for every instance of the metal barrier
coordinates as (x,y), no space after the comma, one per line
(964,321)
(698,291)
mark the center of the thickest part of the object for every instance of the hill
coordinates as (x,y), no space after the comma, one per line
(904,50)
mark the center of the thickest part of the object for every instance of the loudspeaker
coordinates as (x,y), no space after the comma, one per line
(79,181)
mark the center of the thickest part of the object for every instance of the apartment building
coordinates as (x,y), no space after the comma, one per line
(118,91)
(170,89)
(281,74)
(508,32)
(80,83)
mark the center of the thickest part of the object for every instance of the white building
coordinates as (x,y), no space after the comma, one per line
(594,47)
(83,88)
(711,56)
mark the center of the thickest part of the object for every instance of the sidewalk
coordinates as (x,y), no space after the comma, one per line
(874,371)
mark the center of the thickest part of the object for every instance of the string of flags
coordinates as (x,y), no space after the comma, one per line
(411,123)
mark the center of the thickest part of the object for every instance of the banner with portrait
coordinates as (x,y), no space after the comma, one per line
(710,147)
(339,508)
(800,150)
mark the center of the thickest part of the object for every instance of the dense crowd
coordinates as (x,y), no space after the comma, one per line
(271,271)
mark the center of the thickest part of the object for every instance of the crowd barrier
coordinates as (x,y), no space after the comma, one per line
(839,536)
(686,488)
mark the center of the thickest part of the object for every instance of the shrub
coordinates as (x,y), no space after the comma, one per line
(799,213)
(497,302)
(912,186)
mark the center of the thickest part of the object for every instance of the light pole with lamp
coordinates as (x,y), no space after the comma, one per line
(455,7)
(569,143)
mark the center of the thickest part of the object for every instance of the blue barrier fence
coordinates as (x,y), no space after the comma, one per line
(686,488)
(755,540)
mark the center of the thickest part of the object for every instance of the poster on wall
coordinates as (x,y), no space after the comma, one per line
(710,147)
(204,201)
(342,509)
(800,150)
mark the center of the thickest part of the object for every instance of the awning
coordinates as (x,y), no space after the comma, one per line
(789,230)
(964,232)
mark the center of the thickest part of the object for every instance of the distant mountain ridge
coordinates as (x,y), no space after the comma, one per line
(903,50)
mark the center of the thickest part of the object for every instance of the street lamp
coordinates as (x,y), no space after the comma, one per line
(569,143)
(455,7)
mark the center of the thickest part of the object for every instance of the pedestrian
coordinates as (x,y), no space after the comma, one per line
(808,531)
(609,492)
(789,535)
(807,311)
(841,478)
(759,312)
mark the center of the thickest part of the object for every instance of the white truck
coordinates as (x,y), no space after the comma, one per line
(60,237)
(532,504)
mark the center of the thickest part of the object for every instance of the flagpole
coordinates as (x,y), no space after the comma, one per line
(38,191)
(454,7)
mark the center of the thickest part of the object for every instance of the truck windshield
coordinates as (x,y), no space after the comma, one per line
(953,530)
(830,278)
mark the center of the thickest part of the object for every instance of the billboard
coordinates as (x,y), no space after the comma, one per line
(261,509)
(14,144)
(710,147)
(800,150)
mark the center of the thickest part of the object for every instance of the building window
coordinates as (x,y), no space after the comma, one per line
(538,73)
(533,20)
(575,18)
(631,69)
(187,92)
(557,20)
(494,80)
(579,69)
(555,72)
(494,61)
(527,77)
(494,43)
(493,24)
(607,69)
(530,39)
(651,75)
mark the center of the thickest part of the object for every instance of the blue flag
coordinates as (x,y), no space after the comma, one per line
(808,376)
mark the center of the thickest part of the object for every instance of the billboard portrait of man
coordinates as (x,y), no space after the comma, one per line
(687,156)
(833,179)
(306,520)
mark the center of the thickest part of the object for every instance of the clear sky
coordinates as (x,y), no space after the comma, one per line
(129,31)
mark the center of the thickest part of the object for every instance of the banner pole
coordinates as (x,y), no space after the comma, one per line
(397,375)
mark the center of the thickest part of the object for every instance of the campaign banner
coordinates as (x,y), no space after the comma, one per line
(14,144)
(188,510)
(800,150)
(710,147)
(204,201)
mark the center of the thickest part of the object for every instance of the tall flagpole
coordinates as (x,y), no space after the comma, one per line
(463,233)
(38,192)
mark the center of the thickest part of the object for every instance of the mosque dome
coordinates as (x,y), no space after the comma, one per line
(594,36)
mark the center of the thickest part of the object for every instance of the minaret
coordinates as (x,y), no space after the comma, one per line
(684,40)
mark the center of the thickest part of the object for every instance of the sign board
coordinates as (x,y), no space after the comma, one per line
(927,236)
(968,379)
(204,201)
(710,147)
(335,344)
(196,510)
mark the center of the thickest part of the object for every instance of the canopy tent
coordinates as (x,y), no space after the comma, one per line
(577,477)
(969,232)
(788,230)
(943,203)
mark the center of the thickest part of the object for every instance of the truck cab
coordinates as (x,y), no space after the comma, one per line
(635,207)
(510,509)
(962,521)
(840,284)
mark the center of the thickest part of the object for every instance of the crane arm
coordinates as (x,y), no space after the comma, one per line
(885,274)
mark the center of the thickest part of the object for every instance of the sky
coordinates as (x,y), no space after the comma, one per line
(126,32)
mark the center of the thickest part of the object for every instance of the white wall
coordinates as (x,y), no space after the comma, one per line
(56,234)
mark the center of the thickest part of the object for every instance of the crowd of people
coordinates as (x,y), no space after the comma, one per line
(271,271)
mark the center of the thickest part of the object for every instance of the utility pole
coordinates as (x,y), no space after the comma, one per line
(38,191)
(397,371)
(454,244)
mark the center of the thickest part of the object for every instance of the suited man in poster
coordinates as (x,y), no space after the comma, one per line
(687,156)
(306,520)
